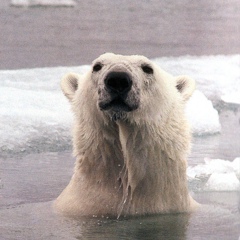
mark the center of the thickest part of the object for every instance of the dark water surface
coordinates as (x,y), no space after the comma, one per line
(36,221)
(44,37)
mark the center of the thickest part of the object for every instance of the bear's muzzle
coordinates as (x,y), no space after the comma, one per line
(118,83)
(116,94)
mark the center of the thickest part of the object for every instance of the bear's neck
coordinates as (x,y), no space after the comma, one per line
(155,168)
(99,153)
(143,162)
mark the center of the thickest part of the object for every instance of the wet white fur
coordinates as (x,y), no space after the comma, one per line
(131,166)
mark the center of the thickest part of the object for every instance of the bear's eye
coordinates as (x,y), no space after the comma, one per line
(147,69)
(97,67)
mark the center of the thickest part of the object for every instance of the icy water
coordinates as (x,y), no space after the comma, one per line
(44,37)
(36,221)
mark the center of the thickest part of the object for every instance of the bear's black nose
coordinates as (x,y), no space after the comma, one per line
(118,82)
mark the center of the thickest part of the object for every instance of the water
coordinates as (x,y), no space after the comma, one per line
(35,155)
(38,223)
(45,37)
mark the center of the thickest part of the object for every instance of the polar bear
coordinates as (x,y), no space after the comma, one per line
(130,138)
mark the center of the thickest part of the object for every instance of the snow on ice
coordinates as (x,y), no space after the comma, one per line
(202,115)
(219,175)
(216,76)
(31,3)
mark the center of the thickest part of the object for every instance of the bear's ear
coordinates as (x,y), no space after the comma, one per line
(186,86)
(69,84)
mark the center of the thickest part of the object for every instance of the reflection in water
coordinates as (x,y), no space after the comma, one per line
(37,221)
(151,227)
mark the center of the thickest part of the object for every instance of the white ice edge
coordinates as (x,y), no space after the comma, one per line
(216,76)
(233,97)
(201,114)
(29,3)
(219,175)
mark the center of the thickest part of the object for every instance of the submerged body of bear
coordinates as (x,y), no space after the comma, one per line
(131,139)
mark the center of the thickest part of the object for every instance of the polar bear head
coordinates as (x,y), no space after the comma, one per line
(127,87)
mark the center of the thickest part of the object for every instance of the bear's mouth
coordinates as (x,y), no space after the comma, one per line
(117,105)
